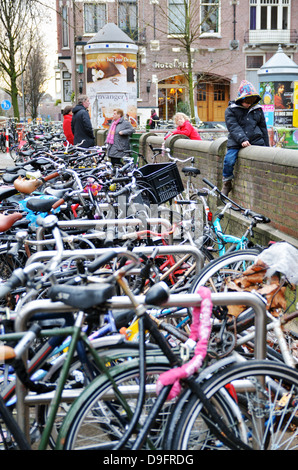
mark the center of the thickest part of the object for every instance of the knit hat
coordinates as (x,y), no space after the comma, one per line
(247,89)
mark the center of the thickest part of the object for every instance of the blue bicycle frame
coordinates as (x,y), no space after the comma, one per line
(222,239)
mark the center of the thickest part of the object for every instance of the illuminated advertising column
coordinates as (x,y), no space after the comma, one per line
(111,81)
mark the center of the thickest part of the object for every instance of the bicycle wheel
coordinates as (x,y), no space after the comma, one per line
(97,419)
(226,267)
(266,394)
(217,275)
(80,375)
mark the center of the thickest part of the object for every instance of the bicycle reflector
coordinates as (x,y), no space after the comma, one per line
(209,216)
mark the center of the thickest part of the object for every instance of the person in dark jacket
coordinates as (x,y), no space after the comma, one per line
(246,124)
(118,138)
(81,123)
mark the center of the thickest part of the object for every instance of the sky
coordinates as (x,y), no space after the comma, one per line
(49,27)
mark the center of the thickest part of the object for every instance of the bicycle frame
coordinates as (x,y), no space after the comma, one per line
(223,239)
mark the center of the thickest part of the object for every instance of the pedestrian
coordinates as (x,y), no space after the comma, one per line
(184,127)
(153,121)
(67,117)
(246,126)
(81,123)
(118,138)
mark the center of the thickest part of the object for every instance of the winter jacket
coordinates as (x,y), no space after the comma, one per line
(67,128)
(188,130)
(81,127)
(246,124)
(153,121)
(121,142)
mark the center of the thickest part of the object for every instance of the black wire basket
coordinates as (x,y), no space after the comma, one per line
(162,180)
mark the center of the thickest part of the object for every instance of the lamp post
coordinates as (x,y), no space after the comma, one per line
(80,86)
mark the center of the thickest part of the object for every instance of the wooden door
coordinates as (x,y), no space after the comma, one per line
(202,104)
(212,101)
(220,102)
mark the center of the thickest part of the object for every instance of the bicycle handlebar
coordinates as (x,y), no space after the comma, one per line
(246,212)
(16,280)
(101,261)
(261,218)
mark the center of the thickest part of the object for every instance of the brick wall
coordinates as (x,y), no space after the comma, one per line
(265,180)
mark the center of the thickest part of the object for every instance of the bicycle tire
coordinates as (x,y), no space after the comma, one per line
(276,403)
(235,260)
(79,377)
(229,266)
(91,411)
(12,437)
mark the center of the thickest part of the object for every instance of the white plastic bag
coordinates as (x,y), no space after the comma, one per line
(283,258)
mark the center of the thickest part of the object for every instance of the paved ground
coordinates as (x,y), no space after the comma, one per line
(5,160)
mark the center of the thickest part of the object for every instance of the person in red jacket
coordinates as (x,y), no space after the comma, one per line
(184,127)
(67,115)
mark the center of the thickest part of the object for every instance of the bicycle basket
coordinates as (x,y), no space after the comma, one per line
(162,180)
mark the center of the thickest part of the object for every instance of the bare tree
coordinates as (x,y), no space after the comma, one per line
(186,20)
(17,29)
(35,78)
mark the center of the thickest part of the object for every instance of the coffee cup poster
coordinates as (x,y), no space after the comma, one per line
(111,83)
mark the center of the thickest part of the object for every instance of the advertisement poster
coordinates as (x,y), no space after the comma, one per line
(295,105)
(111,83)
(284,137)
(280,96)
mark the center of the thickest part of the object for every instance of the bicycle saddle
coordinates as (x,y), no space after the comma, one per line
(7,353)
(82,297)
(7,192)
(7,221)
(36,204)
(191,169)
(59,193)
(9,178)
(26,186)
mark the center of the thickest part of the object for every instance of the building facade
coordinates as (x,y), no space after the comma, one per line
(227,41)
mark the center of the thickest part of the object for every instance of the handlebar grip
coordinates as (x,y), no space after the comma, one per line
(51,176)
(255,215)
(121,179)
(209,183)
(101,260)
(58,203)
(16,280)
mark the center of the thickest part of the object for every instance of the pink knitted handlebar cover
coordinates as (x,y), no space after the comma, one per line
(200,332)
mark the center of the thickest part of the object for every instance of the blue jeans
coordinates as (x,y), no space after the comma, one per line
(229,163)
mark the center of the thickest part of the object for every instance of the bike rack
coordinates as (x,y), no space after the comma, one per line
(120,302)
(96,225)
(146,250)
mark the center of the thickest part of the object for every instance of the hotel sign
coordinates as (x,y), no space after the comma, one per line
(176,63)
